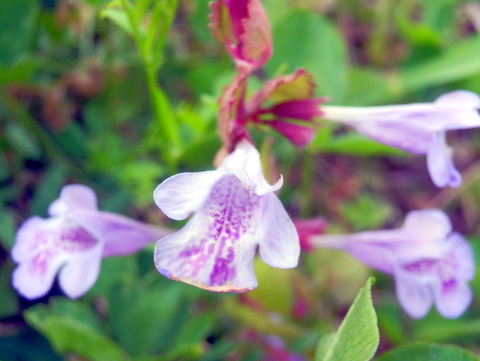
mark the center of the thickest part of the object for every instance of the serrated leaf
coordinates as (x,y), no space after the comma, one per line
(428,352)
(358,337)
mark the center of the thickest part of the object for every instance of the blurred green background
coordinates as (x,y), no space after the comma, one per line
(84,98)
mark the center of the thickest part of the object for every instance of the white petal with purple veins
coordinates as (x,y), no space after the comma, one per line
(184,193)
(215,249)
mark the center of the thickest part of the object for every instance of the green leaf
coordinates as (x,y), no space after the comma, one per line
(118,17)
(48,190)
(17,28)
(458,62)
(68,335)
(321,51)
(358,337)
(427,352)
(356,144)
(7,228)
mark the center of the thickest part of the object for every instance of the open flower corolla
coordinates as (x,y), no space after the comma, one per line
(72,242)
(430,263)
(234,212)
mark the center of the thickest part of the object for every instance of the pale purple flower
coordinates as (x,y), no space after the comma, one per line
(417,128)
(234,211)
(430,263)
(72,242)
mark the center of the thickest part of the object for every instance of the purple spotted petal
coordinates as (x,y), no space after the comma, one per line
(215,249)
(440,164)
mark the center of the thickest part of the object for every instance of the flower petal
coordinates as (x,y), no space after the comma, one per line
(278,237)
(427,224)
(80,272)
(440,164)
(245,163)
(38,258)
(452,298)
(34,278)
(414,296)
(462,256)
(184,193)
(215,249)
(121,235)
(74,197)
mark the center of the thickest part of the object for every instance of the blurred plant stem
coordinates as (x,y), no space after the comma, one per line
(150,44)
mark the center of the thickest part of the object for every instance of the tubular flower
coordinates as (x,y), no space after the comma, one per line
(417,128)
(73,240)
(234,212)
(430,263)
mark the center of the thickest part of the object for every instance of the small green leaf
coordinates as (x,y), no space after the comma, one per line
(358,337)
(427,352)
(118,17)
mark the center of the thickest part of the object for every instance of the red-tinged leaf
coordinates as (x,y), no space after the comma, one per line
(230,116)
(257,36)
(283,89)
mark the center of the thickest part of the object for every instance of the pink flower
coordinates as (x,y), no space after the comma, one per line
(234,212)
(430,263)
(72,242)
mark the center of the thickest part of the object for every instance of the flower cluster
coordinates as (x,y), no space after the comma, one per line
(233,210)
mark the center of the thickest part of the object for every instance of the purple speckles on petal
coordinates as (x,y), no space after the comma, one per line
(76,239)
(231,208)
(421,267)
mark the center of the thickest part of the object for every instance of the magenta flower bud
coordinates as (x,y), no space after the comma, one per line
(243,28)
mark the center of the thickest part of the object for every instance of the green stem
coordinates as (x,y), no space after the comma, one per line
(169,142)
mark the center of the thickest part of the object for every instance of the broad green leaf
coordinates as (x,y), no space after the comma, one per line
(17,27)
(457,62)
(307,40)
(68,335)
(427,352)
(358,337)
